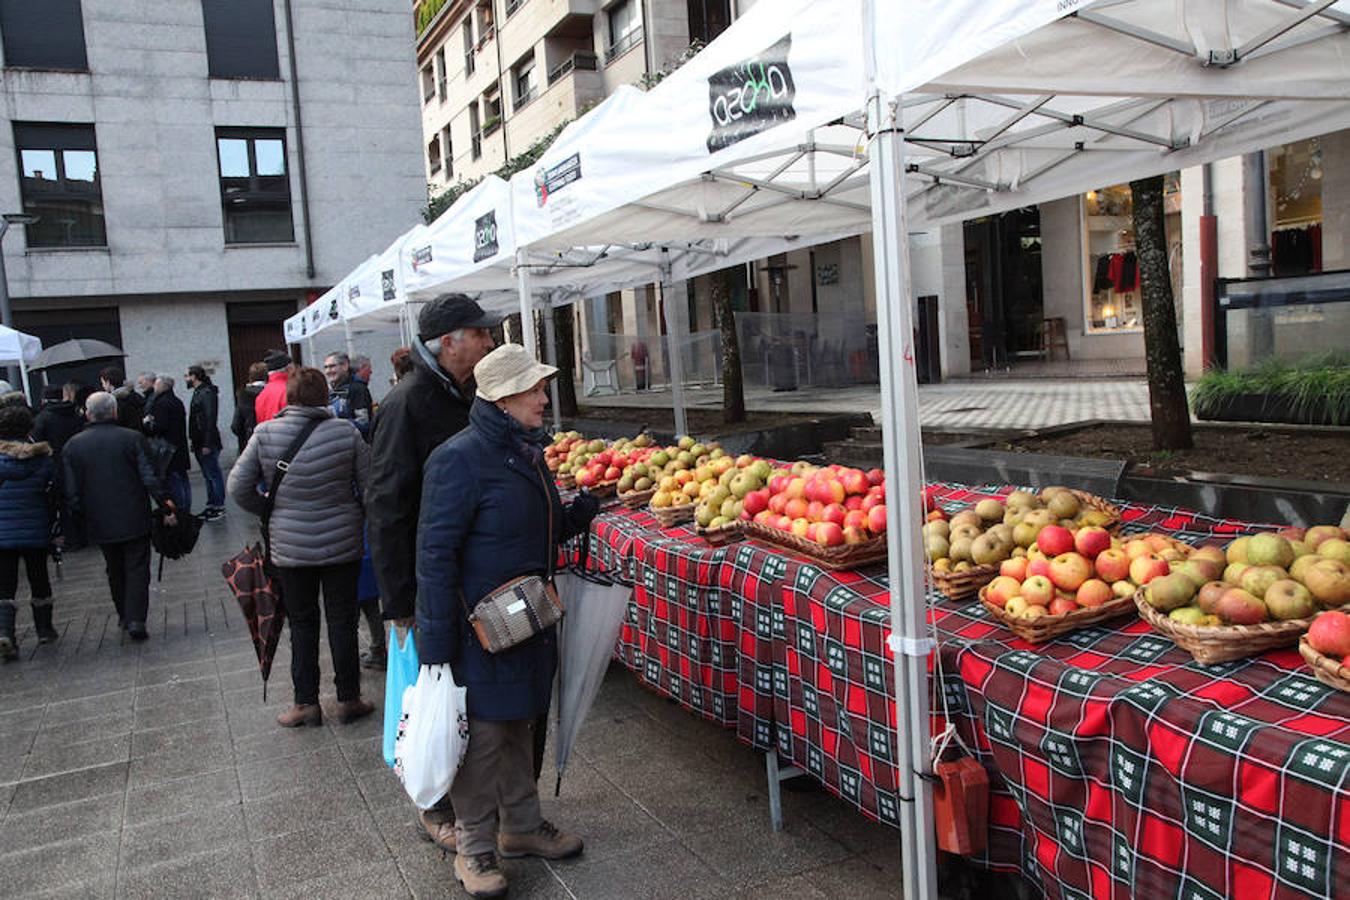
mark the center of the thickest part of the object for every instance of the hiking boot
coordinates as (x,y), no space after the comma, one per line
(301,715)
(437,829)
(374,658)
(136,631)
(350,710)
(42,621)
(213,513)
(9,645)
(481,875)
(545,842)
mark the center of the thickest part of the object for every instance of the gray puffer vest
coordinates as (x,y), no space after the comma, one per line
(317,519)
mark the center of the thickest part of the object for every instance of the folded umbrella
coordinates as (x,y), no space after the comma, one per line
(259,596)
(76,350)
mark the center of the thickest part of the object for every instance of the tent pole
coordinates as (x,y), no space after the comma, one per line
(347,332)
(904,471)
(674,333)
(526,307)
(551,357)
(23,376)
(309,341)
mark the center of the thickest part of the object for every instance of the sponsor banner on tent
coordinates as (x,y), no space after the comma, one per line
(472,235)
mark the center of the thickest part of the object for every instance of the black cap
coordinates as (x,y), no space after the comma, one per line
(451,312)
(276,360)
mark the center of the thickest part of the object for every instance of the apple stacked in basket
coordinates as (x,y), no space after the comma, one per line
(831,506)
(723,497)
(599,464)
(1069,569)
(1292,574)
(559,455)
(680,472)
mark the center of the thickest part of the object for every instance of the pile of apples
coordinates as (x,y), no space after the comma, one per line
(1330,636)
(1069,569)
(600,464)
(679,473)
(1290,574)
(831,506)
(560,453)
(722,498)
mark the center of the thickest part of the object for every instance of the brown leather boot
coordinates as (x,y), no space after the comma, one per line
(545,842)
(481,875)
(438,829)
(300,715)
(351,710)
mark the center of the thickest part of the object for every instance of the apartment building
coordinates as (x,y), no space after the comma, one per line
(200,168)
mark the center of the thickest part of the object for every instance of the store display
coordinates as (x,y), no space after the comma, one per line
(1114,302)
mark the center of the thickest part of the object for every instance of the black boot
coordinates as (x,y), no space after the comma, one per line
(42,621)
(9,647)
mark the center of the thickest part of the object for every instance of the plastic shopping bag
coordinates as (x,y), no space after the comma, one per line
(399,675)
(432,735)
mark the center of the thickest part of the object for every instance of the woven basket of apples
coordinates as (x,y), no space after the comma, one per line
(1259,593)
(1326,648)
(727,503)
(684,474)
(1073,578)
(833,515)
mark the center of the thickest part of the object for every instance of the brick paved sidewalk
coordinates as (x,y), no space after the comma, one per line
(155,770)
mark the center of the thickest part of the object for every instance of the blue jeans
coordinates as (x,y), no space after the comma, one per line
(180,491)
(209,463)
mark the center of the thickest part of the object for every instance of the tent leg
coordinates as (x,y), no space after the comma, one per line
(309,344)
(23,377)
(675,330)
(527,338)
(776,775)
(551,357)
(347,333)
(904,474)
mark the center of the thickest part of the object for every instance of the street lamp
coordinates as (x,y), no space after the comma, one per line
(6,315)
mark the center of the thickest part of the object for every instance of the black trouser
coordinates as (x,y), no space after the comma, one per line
(300,591)
(35,561)
(128,565)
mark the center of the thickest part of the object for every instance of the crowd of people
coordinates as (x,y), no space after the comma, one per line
(411,511)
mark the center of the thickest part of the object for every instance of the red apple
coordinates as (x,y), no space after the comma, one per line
(872,500)
(835,513)
(875,477)
(832,491)
(756,502)
(778,484)
(796,489)
(1037,590)
(795,508)
(852,503)
(854,481)
(778,503)
(1112,565)
(1147,567)
(1093,592)
(876,519)
(811,530)
(1091,541)
(1002,589)
(613,473)
(829,534)
(1014,568)
(856,519)
(815,510)
(853,535)
(1069,570)
(1054,540)
(1038,565)
(765,517)
(1061,605)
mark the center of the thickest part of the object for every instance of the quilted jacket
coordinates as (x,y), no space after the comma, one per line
(26,472)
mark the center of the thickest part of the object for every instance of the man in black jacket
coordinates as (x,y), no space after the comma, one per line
(59,419)
(426,407)
(348,397)
(130,405)
(109,485)
(204,435)
(168,420)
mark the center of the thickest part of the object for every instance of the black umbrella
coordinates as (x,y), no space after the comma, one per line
(74,351)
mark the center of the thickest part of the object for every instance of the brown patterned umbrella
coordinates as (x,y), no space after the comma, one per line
(259,596)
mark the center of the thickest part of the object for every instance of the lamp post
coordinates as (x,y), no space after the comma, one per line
(6,315)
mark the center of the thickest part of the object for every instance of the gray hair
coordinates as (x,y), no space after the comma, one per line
(168,381)
(147,376)
(340,356)
(434,344)
(101,407)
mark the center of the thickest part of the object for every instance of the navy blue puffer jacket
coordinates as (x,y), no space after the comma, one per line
(26,472)
(484,520)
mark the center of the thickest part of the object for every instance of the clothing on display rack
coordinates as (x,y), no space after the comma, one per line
(1296,250)
(1123,272)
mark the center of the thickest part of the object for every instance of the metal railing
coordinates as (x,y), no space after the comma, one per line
(477,146)
(523,100)
(469,62)
(623,45)
(512,6)
(581,60)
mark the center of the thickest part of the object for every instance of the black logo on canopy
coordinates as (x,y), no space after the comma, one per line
(485,236)
(387,289)
(752,96)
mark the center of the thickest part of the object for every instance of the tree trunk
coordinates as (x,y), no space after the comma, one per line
(733,388)
(1162,351)
(564,351)
(511,328)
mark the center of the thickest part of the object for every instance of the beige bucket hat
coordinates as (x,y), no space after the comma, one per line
(509,370)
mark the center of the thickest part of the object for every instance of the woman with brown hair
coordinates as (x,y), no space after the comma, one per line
(315,535)
(245,417)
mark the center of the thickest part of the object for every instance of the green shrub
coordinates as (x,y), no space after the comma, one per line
(1309,386)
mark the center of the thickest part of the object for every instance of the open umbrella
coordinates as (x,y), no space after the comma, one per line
(76,350)
(259,596)
(19,349)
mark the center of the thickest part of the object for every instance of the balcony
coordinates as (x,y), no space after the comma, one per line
(579,61)
(623,45)
(523,100)
(512,6)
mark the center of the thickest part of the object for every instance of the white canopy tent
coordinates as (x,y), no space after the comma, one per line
(19,349)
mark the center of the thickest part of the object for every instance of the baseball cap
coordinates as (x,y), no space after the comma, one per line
(451,312)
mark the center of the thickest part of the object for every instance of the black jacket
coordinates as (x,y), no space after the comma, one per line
(417,415)
(130,407)
(351,400)
(168,420)
(57,423)
(245,416)
(109,484)
(205,410)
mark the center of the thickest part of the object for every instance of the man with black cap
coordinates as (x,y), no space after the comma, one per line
(272,397)
(425,408)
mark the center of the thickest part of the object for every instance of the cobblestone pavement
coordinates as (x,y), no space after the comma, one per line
(156,770)
(982,403)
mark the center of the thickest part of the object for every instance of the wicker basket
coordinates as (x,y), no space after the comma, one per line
(1326,668)
(567,481)
(845,556)
(1036,631)
(670,516)
(1098,503)
(604,488)
(720,537)
(1222,643)
(962,585)
(637,499)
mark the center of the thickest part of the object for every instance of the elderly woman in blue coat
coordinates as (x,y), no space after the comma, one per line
(487,505)
(26,473)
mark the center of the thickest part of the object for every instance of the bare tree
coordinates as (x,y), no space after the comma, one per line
(1162,351)
(733,387)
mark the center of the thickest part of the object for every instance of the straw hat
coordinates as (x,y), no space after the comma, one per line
(510,369)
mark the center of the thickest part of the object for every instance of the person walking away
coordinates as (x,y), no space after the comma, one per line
(349,397)
(401,360)
(27,472)
(58,420)
(491,513)
(427,406)
(110,485)
(168,420)
(130,405)
(314,536)
(272,398)
(204,436)
(245,415)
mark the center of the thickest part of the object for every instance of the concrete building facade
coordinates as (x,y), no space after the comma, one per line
(200,169)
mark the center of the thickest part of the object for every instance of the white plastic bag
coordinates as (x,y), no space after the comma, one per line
(433,735)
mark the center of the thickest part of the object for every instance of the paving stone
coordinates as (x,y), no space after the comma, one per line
(171,738)
(382,788)
(364,756)
(291,811)
(72,757)
(223,873)
(111,725)
(91,707)
(274,742)
(201,706)
(186,835)
(56,865)
(56,789)
(322,766)
(661,870)
(748,853)
(181,761)
(200,793)
(299,856)
(61,822)
(148,676)
(372,881)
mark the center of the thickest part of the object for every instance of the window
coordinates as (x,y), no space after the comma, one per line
(492,108)
(708,19)
(440,73)
(428,84)
(254,187)
(468,47)
(46,35)
(523,76)
(625,29)
(483,13)
(434,155)
(241,39)
(475,131)
(447,153)
(512,6)
(60,185)
(1113,297)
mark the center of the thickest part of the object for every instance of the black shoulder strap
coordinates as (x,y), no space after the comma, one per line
(282,467)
